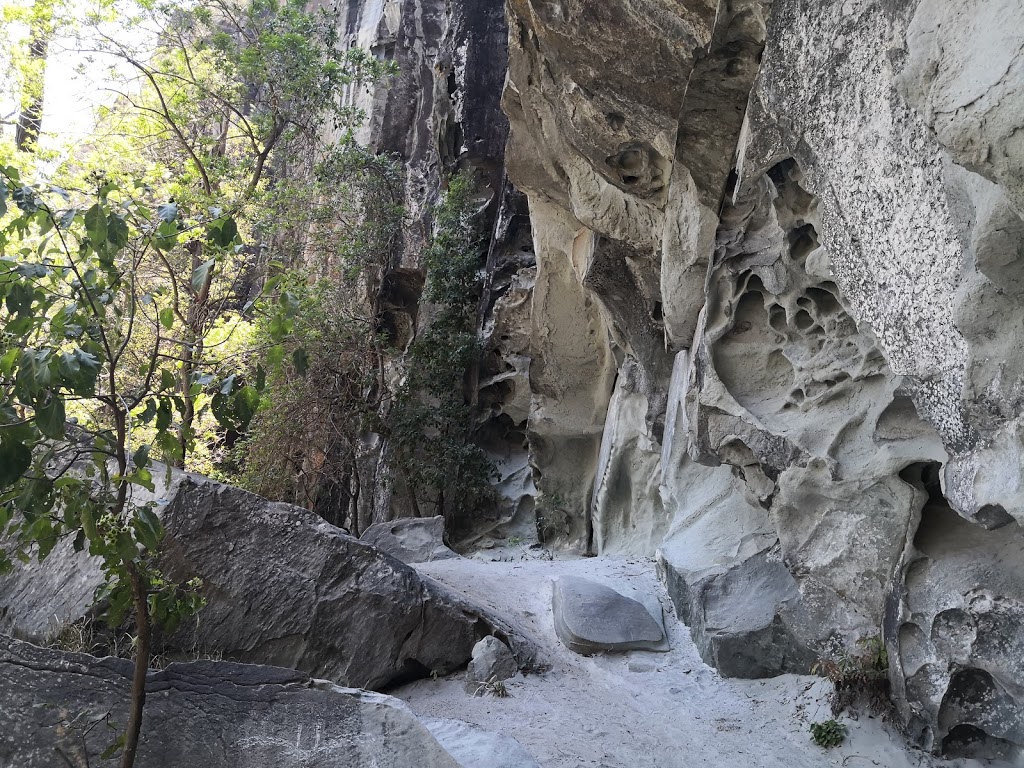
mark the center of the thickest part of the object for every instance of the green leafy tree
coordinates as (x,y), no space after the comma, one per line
(231,95)
(72,304)
(306,442)
(88,391)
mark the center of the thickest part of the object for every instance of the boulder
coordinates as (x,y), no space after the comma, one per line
(57,707)
(282,587)
(410,539)
(592,617)
(741,604)
(491,660)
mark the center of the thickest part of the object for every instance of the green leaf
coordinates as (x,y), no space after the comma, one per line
(166,235)
(7,361)
(96,224)
(167,212)
(50,417)
(167,318)
(166,380)
(144,478)
(222,232)
(148,528)
(89,524)
(117,231)
(148,412)
(163,416)
(247,401)
(170,445)
(15,459)
(199,275)
(141,457)
(114,748)
(126,546)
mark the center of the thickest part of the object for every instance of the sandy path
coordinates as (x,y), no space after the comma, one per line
(640,709)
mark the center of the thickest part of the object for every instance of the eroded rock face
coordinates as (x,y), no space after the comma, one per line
(282,587)
(809,289)
(213,714)
(956,637)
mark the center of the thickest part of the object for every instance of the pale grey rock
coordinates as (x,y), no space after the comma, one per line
(965,76)
(410,539)
(474,747)
(592,618)
(723,570)
(626,513)
(213,714)
(284,588)
(492,660)
(955,634)
(571,378)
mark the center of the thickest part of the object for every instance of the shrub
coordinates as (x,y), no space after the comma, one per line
(858,678)
(828,734)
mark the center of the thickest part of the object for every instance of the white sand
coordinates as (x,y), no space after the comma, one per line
(640,709)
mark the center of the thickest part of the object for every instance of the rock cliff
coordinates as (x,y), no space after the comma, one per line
(766,320)
(753,306)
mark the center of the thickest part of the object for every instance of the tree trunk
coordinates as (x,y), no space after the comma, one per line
(142,651)
(30,120)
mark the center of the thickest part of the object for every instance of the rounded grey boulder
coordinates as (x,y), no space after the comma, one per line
(590,618)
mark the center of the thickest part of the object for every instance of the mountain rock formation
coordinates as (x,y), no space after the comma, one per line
(766,321)
(753,306)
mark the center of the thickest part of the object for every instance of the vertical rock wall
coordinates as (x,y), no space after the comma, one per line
(753,304)
(777,324)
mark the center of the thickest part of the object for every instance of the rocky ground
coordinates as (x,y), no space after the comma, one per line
(638,709)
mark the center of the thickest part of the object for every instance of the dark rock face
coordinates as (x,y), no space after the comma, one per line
(745,621)
(58,709)
(285,588)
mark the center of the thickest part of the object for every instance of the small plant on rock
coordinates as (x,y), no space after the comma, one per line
(494,686)
(858,678)
(828,734)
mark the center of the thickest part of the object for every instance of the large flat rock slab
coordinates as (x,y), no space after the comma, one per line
(202,714)
(592,618)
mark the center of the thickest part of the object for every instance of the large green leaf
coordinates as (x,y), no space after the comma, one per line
(50,416)
(167,318)
(148,528)
(96,224)
(117,231)
(200,274)
(15,459)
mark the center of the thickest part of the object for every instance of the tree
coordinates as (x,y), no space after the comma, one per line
(231,93)
(117,288)
(305,443)
(72,319)
(28,64)
(430,423)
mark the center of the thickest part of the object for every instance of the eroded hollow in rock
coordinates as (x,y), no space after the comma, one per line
(638,169)
(958,633)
